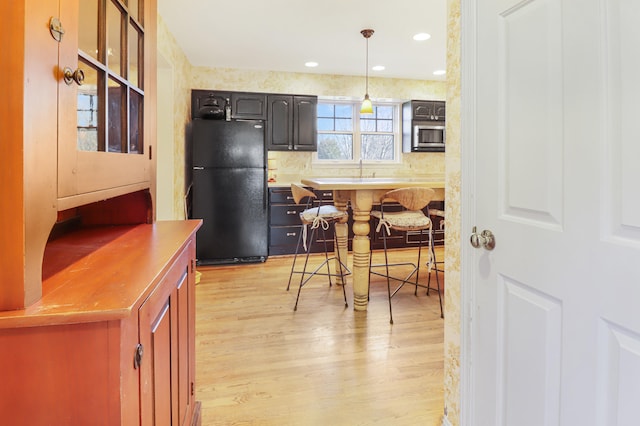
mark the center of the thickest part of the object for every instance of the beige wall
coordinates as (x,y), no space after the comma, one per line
(454,218)
(187,77)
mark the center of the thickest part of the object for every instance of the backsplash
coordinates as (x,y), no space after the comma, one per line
(292,165)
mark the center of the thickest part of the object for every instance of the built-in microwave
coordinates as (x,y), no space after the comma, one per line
(428,136)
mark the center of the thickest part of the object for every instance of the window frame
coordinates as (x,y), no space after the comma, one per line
(357,133)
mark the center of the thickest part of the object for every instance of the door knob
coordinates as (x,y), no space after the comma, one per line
(71,76)
(484,239)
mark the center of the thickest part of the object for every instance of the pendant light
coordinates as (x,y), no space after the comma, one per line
(366,107)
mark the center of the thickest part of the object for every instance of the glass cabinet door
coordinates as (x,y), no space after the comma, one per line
(110,99)
(102,150)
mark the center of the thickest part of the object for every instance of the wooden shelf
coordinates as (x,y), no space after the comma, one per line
(101,273)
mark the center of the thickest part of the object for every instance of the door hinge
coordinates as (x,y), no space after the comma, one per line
(150,152)
(193,389)
(193,265)
(137,356)
(56,29)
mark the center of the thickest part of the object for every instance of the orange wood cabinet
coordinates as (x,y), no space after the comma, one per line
(73,357)
(41,170)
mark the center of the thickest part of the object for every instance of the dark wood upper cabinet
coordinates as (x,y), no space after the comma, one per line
(291,123)
(249,106)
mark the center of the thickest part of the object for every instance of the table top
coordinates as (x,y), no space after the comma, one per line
(339,183)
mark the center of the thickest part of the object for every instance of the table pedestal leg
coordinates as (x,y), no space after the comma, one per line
(361,202)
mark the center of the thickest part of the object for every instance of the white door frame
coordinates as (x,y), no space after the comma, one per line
(468,72)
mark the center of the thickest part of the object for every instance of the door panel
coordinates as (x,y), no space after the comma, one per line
(529,353)
(530,103)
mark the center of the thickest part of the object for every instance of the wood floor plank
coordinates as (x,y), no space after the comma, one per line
(260,363)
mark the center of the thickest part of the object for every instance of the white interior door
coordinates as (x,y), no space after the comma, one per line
(555,129)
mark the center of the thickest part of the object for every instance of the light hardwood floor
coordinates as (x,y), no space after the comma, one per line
(260,363)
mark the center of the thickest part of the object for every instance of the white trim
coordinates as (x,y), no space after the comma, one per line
(468,70)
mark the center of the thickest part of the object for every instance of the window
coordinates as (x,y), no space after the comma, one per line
(346,136)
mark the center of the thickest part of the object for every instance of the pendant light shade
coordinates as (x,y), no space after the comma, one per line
(366,107)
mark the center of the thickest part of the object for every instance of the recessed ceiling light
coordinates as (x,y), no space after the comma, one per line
(311,64)
(421,37)
(439,72)
(378,68)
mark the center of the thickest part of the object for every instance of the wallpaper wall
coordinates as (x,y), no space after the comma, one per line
(293,164)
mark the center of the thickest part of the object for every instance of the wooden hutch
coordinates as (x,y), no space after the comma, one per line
(97,302)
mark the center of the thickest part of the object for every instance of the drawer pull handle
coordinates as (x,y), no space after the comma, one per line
(291,212)
(291,234)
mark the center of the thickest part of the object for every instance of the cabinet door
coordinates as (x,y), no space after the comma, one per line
(439,110)
(422,110)
(106,120)
(279,123)
(166,327)
(305,127)
(250,106)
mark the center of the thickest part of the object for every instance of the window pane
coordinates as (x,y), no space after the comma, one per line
(385,126)
(325,110)
(114,40)
(335,146)
(88,118)
(134,71)
(367,125)
(116,116)
(377,147)
(344,124)
(135,123)
(325,124)
(385,112)
(133,9)
(344,111)
(88,27)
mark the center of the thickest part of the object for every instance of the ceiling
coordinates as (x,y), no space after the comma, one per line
(282,35)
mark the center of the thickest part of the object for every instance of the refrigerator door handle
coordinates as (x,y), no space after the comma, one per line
(265,198)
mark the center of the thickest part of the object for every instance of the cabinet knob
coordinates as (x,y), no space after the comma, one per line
(70,76)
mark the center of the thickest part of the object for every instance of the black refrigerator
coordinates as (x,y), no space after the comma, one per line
(229,191)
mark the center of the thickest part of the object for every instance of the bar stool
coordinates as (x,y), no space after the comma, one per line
(317,218)
(411,219)
(434,264)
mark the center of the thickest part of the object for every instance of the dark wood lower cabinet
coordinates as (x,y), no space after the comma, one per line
(285,228)
(112,341)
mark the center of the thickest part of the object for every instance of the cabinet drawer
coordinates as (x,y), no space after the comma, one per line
(281,196)
(286,214)
(285,236)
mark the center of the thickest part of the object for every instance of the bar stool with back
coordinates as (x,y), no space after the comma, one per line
(314,219)
(414,200)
